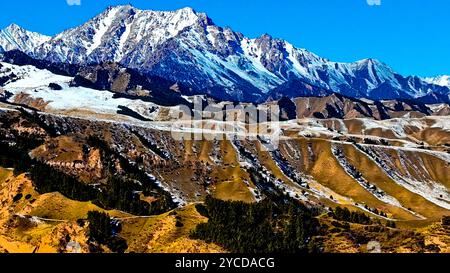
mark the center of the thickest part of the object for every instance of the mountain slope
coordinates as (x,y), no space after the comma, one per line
(110,88)
(114,33)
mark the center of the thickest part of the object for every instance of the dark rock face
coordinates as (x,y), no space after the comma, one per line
(288,109)
(297,88)
(273,55)
(19,58)
(55,86)
(129,83)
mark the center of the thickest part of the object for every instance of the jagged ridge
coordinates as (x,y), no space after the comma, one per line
(187,47)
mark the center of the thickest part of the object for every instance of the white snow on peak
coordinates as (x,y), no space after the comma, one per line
(14,37)
(123,40)
(117,32)
(440,80)
(292,56)
(101,30)
(253,53)
(216,56)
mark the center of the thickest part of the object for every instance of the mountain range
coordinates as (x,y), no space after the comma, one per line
(186,47)
(99,152)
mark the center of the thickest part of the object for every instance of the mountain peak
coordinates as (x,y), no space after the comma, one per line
(15,37)
(125,12)
(13,27)
(117,32)
(185,11)
(266,37)
(185,46)
(369,61)
(188,10)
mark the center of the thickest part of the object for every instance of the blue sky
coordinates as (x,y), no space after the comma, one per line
(413,36)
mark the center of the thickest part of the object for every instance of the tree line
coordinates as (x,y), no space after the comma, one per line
(103,231)
(344,214)
(264,227)
(120,192)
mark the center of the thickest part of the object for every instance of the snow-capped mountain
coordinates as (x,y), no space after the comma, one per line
(116,33)
(14,37)
(187,47)
(440,80)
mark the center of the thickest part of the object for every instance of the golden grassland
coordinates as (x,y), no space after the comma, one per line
(408,199)
(169,233)
(328,176)
(56,218)
(327,171)
(160,234)
(433,136)
(233,187)
(357,238)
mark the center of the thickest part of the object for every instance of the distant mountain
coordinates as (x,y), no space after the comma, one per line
(16,38)
(340,107)
(187,47)
(18,57)
(440,80)
(434,97)
(111,88)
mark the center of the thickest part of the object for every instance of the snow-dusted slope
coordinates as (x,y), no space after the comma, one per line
(14,37)
(28,76)
(441,81)
(115,33)
(186,46)
(29,85)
